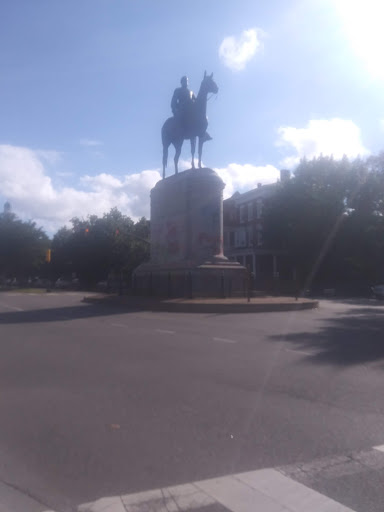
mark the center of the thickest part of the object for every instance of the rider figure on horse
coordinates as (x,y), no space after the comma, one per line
(182,104)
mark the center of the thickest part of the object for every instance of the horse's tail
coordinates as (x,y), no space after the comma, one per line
(165,158)
(166,140)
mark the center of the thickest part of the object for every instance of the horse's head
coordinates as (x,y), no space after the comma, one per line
(209,84)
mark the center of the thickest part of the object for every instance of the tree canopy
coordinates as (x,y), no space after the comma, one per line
(328,220)
(22,246)
(96,247)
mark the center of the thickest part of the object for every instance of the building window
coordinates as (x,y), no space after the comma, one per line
(231,239)
(249,262)
(259,236)
(240,238)
(250,211)
(259,209)
(243,213)
(249,237)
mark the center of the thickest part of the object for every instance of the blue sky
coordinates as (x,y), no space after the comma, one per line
(85,86)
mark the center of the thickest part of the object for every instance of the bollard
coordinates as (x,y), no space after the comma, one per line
(222,288)
(248,284)
(169,285)
(190,285)
(121,284)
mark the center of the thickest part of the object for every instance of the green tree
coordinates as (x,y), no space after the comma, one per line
(22,247)
(98,247)
(328,219)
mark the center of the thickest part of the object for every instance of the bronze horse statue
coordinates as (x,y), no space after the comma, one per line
(174,132)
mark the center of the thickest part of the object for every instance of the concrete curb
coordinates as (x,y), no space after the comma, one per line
(224,306)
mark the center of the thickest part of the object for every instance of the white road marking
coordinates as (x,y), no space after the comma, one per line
(299,352)
(171,499)
(113,504)
(224,340)
(13,308)
(287,493)
(164,331)
(380,448)
(266,490)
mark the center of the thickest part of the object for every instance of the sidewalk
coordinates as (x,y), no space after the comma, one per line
(12,500)
(205,305)
(265,490)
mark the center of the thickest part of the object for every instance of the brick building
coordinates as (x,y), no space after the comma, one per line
(243,234)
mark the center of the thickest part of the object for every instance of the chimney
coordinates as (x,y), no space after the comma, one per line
(285,175)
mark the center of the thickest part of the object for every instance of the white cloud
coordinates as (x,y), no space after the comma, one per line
(235,52)
(101,182)
(337,137)
(22,174)
(245,177)
(90,142)
(239,177)
(25,183)
(63,174)
(33,195)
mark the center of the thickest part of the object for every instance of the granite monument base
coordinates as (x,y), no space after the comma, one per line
(187,257)
(224,279)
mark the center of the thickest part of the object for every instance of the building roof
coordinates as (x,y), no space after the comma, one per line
(260,192)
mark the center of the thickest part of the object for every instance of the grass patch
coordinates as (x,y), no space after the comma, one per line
(25,290)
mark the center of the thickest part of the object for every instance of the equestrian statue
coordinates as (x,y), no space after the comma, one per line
(189,119)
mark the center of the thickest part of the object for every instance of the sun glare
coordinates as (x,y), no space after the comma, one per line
(363,24)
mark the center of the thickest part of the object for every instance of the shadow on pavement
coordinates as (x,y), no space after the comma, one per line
(354,337)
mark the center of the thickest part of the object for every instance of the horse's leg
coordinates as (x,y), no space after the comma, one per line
(178,146)
(165,158)
(201,142)
(193,147)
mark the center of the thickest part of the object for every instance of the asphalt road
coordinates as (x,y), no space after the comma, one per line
(97,401)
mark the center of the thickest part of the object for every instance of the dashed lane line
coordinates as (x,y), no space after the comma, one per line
(12,308)
(165,331)
(299,352)
(224,340)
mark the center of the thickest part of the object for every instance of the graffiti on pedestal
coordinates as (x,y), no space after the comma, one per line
(212,242)
(172,238)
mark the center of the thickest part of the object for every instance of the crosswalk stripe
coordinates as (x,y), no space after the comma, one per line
(288,493)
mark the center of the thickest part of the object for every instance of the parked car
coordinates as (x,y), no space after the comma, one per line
(40,282)
(378,291)
(62,283)
(102,286)
(75,283)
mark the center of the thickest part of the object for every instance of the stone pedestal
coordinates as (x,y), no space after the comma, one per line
(187,240)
